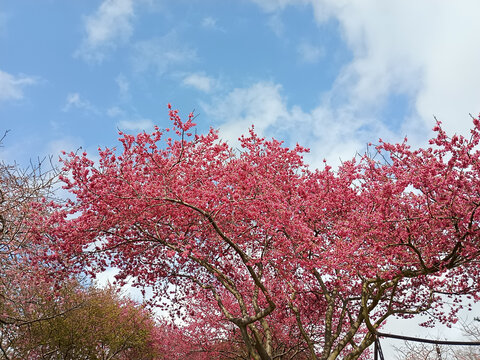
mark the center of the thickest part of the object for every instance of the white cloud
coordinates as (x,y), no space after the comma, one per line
(109,26)
(426,52)
(209,22)
(263,105)
(106,278)
(75,101)
(278,5)
(67,144)
(128,122)
(11,87)
(115,111)
(199,81)
(136,125)
(161,54)
(310,53)
(276,24)
(123,86)
(212,24)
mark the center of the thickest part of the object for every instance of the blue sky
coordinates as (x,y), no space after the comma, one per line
(331,75)
(73,72)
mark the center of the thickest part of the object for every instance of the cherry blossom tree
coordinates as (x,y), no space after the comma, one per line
(209,336)
(313,259)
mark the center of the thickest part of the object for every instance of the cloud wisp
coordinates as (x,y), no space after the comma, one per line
(123,86)
(310,53)
(161,54)
(76,101)
(107,28)
(12,87)
(199,81)
(136,125)
(127,122)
